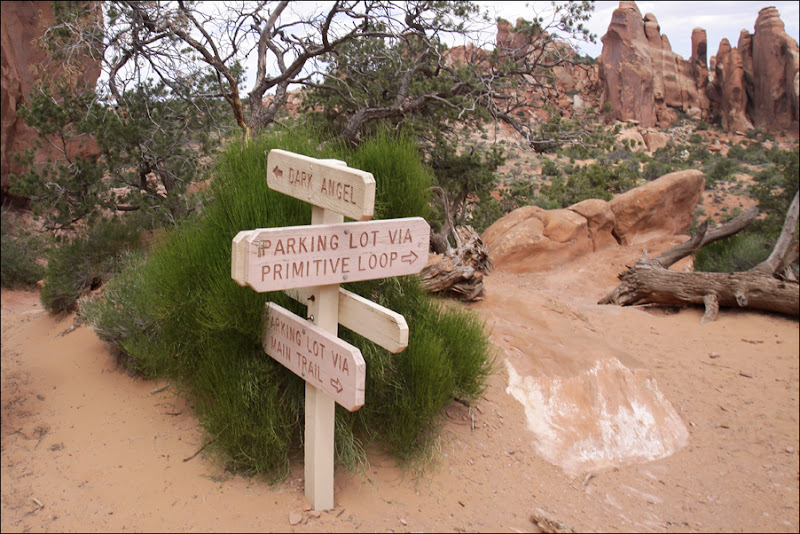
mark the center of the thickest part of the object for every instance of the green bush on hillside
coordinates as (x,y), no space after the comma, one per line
(20,252)
(736,253)
(591,181)
(86,261)
(179,315)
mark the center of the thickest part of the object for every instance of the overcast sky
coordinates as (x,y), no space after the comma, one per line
(677,20)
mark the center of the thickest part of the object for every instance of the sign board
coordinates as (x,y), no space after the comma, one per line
(270,259)
(324,183)
(319,357)
(369,319)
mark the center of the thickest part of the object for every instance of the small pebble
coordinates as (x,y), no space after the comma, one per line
(713,355)
(295,518)
(789,449)
(403,521)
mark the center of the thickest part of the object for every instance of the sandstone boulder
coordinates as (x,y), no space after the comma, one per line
(664,206)
(533,239)
(600,221)
(633,137)
(654,139)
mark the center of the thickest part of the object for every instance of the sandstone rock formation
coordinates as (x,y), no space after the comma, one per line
(664,206)
(631,134)
(653,139)
(699,59)
(569,78)
(754,85)
(531,239)
(642,78)
(728,93)
(600,222)
(21,23)
(775,74)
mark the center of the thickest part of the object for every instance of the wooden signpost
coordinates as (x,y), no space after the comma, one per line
(269,259)
(320,358)
(324,183)
(310,262)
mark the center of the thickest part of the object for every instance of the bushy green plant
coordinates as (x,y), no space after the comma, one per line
(550,168)
(86,261)
(20,252)
(180,315)
(722,169)
(736,253)
(592,181)
(774,189)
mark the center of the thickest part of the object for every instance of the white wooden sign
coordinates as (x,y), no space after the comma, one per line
(369,319)
(318,357)
(270,259)
(311,262)
(324,183)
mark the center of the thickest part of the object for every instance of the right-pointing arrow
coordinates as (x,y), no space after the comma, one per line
(409,258)
(336,385)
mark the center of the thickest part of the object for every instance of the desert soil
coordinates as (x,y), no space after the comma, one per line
(598,418)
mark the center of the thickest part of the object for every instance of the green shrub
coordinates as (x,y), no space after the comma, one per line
(592,181)
(739,252)
(722,169)
(550,168)
(20,252)
(179,315)
(774,189)
(485,213)
(86,262)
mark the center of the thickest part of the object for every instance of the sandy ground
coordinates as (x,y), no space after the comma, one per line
(599,418)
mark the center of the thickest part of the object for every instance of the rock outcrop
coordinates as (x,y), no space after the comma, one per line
(599,220)
(664,206)
(643,79)
(20,57)
(755,85)
(531,239)
(728,93)
(774,75)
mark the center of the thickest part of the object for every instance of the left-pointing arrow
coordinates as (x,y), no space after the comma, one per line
(277,172)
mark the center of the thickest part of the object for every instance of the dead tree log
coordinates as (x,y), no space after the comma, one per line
(460,272)
(765,287)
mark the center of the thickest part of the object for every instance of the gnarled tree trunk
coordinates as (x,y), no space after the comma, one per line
(460,272)
(769,286)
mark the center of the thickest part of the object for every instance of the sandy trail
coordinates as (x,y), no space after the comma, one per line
(87,448)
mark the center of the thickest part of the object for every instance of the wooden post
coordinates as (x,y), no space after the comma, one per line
(335,191)
(320,408)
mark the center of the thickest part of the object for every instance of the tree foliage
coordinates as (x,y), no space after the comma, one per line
(173,41)
(136,153)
